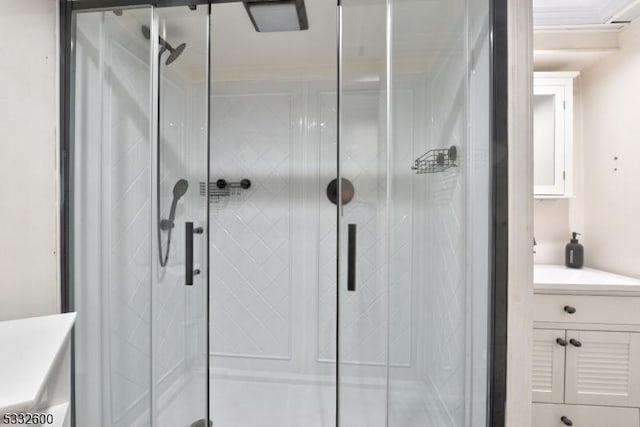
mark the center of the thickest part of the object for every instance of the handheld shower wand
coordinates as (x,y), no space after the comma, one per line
(179,190)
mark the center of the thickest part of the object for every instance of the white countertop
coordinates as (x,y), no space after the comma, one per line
(561,278)
(29,349)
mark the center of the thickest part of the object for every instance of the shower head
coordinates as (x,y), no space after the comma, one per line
(180,188)
(174,53)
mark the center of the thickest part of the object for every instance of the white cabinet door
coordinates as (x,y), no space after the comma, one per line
(603,368)
(552,105)
(548,415)
(548,365)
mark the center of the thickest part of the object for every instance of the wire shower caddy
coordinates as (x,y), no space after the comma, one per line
(437,160)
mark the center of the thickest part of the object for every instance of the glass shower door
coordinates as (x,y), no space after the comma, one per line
(111,152)
(415,147)
(139,150)
(180,273)
(363,251)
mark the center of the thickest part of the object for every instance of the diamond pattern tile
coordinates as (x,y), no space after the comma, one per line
(251,237)
(364,313)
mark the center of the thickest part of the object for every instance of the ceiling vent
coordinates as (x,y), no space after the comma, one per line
(269,16)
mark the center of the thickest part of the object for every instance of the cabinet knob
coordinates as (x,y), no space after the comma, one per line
(566,421)
(561,342)
(569,309)
(575,342)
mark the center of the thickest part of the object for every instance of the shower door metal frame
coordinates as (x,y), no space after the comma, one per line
(499,251)
(499,233)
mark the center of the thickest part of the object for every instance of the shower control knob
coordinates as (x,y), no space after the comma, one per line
(566,421)
(347,190)
(569,309)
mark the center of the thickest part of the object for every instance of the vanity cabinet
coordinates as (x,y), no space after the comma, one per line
(586,360)
(553,134)
(586,367)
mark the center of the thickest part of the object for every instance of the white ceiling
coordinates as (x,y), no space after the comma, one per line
(568,13)
(421,30)
(572,50)
(236,43)
(421,27)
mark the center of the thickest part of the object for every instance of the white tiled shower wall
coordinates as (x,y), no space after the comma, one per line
(273,246)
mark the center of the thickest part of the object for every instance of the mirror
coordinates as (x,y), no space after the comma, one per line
(544,140)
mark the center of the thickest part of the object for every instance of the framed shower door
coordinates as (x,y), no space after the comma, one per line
(137,226)
(180,328)
(416,158)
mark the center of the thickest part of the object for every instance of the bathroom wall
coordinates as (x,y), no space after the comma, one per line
(28,159)
(551,230)
(273,246)
(612,176)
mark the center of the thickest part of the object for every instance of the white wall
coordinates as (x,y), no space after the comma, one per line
(28,159)
(550,228)
(611,128)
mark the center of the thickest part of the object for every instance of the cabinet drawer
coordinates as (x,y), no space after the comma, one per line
(550,415)
(588,309)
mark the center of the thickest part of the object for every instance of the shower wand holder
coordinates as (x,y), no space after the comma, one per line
(166,224)
(438,160)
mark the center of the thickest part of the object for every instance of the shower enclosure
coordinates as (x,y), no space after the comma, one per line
(280,213)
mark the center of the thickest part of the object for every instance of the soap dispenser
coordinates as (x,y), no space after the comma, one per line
(574,253)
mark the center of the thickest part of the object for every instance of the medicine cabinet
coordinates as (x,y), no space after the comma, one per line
(553,134)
